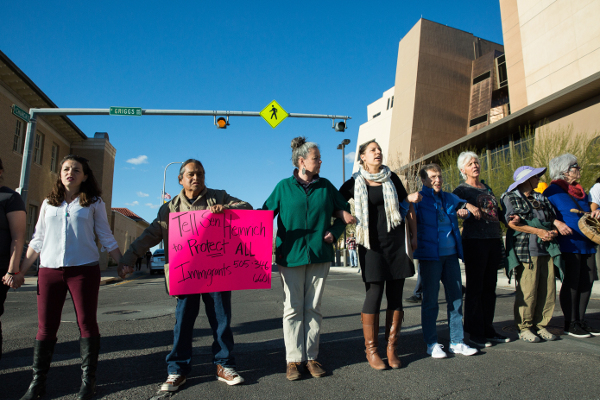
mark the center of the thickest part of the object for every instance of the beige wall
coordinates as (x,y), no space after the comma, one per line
(125,229)
(379,127)
(583,118)
(555,42)
(404,95)
(511,31)
(433,83)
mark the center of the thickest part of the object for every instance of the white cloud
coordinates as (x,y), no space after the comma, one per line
(142,194)
(138,160)
(135,203)
(153,205)
(350,157)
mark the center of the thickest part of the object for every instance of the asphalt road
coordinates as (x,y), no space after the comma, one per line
(136,321)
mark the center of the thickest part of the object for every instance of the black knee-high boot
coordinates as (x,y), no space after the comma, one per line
(42,357)
(90,348)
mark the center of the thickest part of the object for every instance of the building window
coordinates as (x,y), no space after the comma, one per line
(478,120)
(38,148)
(392,105)
(388,107)
(502,74)
(31,219)
(481,77)
(54,158)
(377,115)
(18,141)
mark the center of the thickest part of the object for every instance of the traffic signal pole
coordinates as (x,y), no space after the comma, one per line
(34,112)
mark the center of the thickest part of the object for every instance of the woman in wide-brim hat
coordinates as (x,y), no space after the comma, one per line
(532,253)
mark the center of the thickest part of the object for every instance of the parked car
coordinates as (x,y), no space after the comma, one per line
(157,262)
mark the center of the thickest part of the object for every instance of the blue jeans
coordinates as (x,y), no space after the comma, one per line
(353,258)
(418,292)
(218,312)
(446,269)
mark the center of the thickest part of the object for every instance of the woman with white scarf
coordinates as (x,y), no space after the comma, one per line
(380,208)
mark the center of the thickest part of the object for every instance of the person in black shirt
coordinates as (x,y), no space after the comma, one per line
(379,201)
(12,239)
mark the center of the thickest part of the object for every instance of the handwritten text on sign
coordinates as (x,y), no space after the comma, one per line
(219,252)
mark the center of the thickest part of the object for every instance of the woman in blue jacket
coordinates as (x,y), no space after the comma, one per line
(438,249)
(565,193)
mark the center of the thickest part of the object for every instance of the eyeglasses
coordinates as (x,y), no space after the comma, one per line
(576,166)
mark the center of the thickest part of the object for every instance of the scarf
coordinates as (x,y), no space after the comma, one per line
(574,190)
(361,202)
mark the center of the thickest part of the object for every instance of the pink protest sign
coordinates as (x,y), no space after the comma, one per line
(219,252)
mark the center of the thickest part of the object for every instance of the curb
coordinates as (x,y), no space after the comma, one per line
(108,279)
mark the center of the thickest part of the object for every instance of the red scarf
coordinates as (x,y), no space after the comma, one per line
(573,189)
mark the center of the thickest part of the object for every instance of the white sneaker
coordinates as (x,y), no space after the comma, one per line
(463,349)
(436,350)
(173,382)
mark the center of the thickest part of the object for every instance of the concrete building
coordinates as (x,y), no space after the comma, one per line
(378,125)
(433,91)
(126,226)
(55,137)
(455,91)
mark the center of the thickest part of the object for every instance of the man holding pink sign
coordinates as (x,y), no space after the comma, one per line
(194,196)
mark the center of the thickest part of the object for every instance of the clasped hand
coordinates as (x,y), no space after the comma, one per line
(13,281)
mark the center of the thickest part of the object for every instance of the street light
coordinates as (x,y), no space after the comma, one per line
(162,196)
(342,147)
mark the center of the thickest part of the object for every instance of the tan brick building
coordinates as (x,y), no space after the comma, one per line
(126,226)
(454,91)
(55,137)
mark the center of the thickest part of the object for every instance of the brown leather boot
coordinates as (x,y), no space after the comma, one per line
(370,323)
(393,323)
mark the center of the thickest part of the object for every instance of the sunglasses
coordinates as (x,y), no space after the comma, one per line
(576,166)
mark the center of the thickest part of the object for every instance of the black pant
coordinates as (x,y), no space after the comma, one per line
(577,285)
(393,294)
(3,291)
(482,258)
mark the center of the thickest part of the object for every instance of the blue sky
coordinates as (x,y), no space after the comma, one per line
(312,57)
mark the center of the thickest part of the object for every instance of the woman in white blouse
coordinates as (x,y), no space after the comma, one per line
(64,240)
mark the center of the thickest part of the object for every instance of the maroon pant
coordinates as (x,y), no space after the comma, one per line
(83,283)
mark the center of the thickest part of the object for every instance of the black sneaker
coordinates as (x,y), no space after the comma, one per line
(480,341)
(413,299)
(498,338)
(589,329)
(576,330)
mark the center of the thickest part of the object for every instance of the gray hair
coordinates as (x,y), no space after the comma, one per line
(186,162)
(463,159)
(301,148)
(560,165)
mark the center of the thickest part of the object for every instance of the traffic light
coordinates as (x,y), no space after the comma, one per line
(221,122)
(339,126)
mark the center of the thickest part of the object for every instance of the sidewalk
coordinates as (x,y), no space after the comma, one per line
(110,275)
(502,280)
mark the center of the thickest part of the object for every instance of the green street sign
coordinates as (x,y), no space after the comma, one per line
(20,113)
(128,111)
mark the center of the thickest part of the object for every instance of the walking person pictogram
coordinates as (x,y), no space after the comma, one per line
(273,112)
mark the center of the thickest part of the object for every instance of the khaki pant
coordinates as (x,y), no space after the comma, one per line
(303,288)
(536,293)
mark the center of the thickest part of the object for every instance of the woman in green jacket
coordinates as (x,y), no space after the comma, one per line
(304,204)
